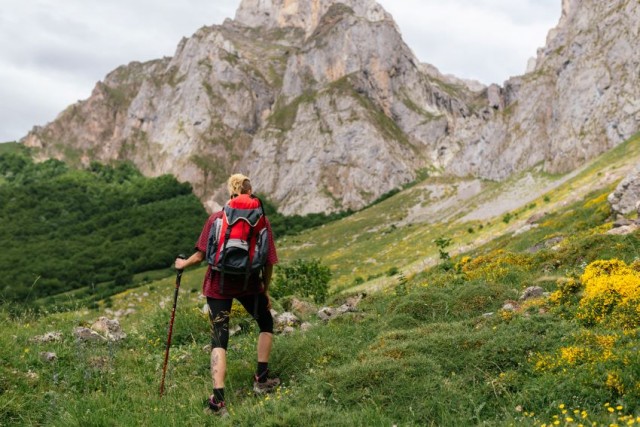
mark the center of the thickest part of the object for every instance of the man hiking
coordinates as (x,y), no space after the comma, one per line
(224,245)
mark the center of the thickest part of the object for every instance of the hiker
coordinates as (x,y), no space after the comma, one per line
(221,288)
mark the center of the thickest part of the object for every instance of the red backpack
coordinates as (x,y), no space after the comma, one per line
(238,243)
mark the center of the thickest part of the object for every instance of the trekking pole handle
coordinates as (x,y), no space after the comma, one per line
(179,271)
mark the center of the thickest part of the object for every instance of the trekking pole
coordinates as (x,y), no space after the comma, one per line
(173,315)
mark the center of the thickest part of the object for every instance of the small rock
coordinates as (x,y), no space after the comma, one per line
(622,222)
(355,300)
(48,356)
(302,308)
(624,230)
(87,335)
(487,315)
(509,307)
(109,328)
(305,326)
(48,337)
(536,218)
(525,228)
(532,292)
(286,319)
(624,199)
(326,313)
(550,243)
(234,330)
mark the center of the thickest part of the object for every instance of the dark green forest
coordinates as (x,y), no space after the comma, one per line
(64,229)
(93,230)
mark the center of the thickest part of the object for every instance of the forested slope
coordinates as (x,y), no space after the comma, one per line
(63,229)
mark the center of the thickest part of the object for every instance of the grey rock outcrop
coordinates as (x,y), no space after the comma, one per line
(300,14)
(48,337)
(626,197)
(581,99)
(532,292)
(87,335)
(302,308)
(109,328)
(624,230)
(48,356)
(350,305)
(326,107)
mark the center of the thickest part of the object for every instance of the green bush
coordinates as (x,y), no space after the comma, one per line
(302,278)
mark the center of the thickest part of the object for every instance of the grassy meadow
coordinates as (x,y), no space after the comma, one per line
(431,344)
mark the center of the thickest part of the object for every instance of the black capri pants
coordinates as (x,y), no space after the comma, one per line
(220,309)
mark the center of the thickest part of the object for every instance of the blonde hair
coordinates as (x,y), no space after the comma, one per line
(238,184)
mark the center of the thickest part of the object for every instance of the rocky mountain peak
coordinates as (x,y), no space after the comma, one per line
(323,104)
(305,14)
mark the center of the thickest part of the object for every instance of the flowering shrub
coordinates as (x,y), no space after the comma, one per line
(494,266)
(567,288)
(611,294)
(590,350)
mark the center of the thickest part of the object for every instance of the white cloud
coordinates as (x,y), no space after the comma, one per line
(486,40)
(53,52)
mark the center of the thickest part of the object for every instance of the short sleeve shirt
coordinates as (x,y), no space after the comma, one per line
(233,286)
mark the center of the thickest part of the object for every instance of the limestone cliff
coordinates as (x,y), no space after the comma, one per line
(326,107)
(580,99)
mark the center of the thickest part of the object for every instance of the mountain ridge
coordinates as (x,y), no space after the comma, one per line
(327,108)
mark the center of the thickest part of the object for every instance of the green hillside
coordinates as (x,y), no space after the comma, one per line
(384,238)
(432,343)
(64,229)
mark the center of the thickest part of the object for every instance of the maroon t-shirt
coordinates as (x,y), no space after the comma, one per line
(233,285)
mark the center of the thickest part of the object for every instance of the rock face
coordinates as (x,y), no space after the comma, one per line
(580,99)
(326,108)
(626,197)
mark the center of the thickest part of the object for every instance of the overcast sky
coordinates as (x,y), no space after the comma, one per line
(52,52)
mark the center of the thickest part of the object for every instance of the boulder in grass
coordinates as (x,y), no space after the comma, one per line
(234,330)
(286,320)
(351,304)
(87,335)
(532,292)
(624,230)
(109,328)
(48,356)
(326,313)
(302,308)
(536,218)
(48,337)
(624,200)
(510,306)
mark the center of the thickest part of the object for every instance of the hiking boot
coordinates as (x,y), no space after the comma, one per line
(265,387)
(218,409)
